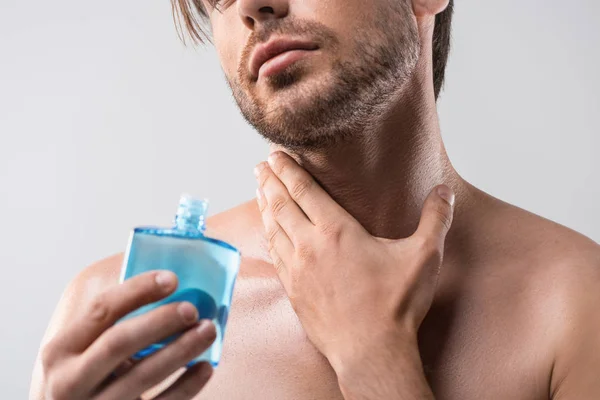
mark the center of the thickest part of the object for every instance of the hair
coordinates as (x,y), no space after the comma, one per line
(195,20)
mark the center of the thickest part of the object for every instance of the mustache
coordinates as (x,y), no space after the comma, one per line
(289,26)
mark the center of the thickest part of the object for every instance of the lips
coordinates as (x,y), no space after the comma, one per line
(273,48)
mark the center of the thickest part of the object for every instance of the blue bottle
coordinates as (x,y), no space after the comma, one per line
(206,269)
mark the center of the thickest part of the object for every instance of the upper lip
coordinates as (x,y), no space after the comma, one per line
(266,51)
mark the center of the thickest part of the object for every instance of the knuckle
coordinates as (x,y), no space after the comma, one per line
(278,205)
(280,166)
(263,178)
(442,211)
(332,231)
(116,345)
(98,310)
(271,235)
(300,189)
(305,254)
(279,265)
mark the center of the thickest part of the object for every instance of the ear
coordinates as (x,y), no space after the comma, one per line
(425,8)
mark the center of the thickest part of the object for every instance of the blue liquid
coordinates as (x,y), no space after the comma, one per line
(206,269)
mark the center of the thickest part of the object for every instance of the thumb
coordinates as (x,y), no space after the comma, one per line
(437,213)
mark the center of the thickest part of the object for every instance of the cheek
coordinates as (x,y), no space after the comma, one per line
(229,41)
(349,20)
(227,59)
(345,16)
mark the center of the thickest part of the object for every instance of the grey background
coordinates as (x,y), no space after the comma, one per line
(105,118)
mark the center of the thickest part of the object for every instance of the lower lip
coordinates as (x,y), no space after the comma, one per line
(281,62)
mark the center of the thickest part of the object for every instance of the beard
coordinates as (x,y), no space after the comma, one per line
(338,106)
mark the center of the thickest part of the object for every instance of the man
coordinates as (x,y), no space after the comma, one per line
(339,278)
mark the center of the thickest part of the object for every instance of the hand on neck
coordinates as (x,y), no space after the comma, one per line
(383,175)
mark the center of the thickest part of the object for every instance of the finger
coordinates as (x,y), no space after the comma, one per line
(276,236)
(437,214)
(154,369)
(189,384)
(124,367)
(119,371)
(281,269)
(121,341)
(106,308)
(305,191)
(277,240)
(280,204)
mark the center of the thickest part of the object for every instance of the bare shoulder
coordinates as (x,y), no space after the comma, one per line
(568,272)
(241,226)
(550,270)
(84,287)
(97,277)
(554,248)
(511,232)
(556,270)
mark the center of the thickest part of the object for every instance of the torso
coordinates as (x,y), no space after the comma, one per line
(472,348)
(487,336)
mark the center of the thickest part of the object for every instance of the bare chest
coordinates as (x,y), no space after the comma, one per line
(468,352)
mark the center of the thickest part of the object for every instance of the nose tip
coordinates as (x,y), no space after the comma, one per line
(256,11)
(263,14)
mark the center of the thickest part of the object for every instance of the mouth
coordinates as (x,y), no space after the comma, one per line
(276,55)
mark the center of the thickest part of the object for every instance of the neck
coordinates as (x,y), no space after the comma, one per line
(384,175)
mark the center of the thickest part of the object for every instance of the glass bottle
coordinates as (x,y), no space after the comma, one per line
(206,269)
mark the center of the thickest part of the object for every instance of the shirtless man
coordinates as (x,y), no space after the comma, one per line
(350,214)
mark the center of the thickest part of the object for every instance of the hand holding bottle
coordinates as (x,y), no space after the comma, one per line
(354,294)
(85,359)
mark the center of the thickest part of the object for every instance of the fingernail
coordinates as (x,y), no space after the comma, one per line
(165,279)
(188,312)
(258,168)
(204,327)
(447,194)
(271,159)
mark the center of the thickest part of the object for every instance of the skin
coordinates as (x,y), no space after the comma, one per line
(89,355)
(371,345)
(511,314)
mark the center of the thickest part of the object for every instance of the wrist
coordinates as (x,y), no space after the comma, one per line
(367,356)
(387,369)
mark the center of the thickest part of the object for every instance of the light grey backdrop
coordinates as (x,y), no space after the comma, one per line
(105,118)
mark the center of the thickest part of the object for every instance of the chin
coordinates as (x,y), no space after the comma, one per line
(294,99)
(291,108)
(293,87)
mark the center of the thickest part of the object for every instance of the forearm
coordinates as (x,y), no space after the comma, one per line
(391,372)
